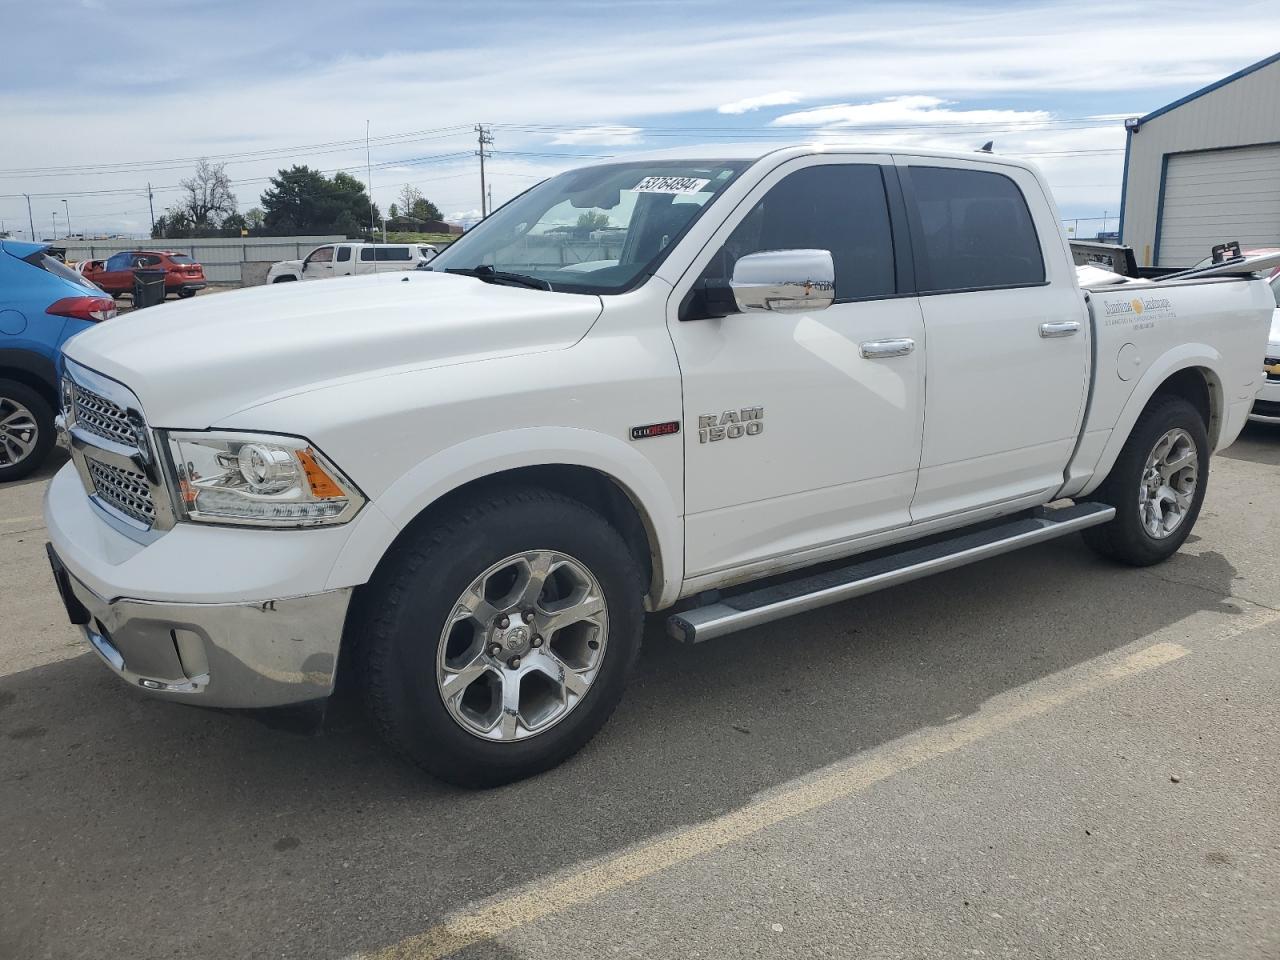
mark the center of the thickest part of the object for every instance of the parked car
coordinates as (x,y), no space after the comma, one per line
(348,259)
(42,303)
(1266,409)
(468,485)
(183,275)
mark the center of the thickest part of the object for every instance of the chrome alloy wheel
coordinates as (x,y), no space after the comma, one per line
(18,432)
(1168,483)
(523,646)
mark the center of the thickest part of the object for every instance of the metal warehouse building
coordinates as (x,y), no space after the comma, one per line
(1205,169)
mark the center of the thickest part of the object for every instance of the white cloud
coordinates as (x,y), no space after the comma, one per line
(747,104)
(604,136)
(465,216)
(869,64)
(906,111)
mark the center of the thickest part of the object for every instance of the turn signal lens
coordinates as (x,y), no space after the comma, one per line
(260,479)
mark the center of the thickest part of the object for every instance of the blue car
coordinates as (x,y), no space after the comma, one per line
(42,303)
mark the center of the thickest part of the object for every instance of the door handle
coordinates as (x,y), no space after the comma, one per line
(879,349)
(1060,328)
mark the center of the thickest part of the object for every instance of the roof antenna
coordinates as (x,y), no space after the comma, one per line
(986,147)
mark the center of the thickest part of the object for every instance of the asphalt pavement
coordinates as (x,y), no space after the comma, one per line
(1042,755)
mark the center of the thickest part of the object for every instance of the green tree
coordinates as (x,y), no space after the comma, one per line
(393,211)
(593,220)
(254,219)
(304,201)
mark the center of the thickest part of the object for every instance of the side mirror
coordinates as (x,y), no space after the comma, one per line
(784,281)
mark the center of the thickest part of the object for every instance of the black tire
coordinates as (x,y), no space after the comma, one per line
(284,279)
(404,609)
(1125,538)
(13,392)
(184,294)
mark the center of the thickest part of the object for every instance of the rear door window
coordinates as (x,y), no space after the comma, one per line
(976,231)
(394,253)
(42,261)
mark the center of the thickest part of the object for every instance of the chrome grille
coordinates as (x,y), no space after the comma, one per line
(123,490)
(100,416)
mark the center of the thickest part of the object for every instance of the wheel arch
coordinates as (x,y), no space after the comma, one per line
(31,370)
(598,471)
(1191,372)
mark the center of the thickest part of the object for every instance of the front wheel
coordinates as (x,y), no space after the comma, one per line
(26,430)
(498,643)
(1157,485)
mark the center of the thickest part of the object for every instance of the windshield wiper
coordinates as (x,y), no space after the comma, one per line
(489,275)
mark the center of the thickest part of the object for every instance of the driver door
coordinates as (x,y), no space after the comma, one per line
(319,264)
(797,437)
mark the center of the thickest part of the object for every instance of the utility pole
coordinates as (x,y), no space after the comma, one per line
(368,175)
(490,198)
(55,224)
(486,139)
(152,205)
(66,207)
(30,219)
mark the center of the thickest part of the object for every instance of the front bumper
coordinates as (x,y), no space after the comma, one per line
(240,655)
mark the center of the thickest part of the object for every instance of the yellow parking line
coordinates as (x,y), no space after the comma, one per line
(492,920)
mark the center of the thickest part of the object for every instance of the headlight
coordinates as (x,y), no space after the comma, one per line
(260,479)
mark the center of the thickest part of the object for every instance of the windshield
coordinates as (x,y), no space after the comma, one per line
(596,230)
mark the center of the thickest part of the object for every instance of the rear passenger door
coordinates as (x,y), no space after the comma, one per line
(1008,365)
(342,261)
(796,437)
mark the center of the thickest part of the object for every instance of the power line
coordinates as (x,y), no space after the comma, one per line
(337,146)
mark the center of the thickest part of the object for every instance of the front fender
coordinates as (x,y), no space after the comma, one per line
(495,453)
(1185,356)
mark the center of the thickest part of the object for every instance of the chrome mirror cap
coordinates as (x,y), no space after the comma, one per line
(784,280)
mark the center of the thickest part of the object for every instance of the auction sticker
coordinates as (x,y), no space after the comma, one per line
(670,185)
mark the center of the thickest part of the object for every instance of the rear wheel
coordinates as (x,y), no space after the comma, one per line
(1157,485)
(498,643)
(183,294)
(285,279)
(26,430)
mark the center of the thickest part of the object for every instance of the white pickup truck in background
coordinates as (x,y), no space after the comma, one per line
(462,488)
(352,259)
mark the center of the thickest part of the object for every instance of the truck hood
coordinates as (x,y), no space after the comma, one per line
(194,362)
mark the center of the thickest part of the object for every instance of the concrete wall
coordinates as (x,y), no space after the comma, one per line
(1242,112)
(223,259)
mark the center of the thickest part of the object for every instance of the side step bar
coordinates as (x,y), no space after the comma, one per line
(817,590)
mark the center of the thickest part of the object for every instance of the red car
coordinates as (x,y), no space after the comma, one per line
(183,275)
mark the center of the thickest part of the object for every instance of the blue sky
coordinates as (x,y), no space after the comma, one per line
(125,97)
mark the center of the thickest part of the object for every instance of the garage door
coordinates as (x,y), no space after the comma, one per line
(1219,195)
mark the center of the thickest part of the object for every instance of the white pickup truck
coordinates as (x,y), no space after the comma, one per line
(352,259)
(462,488)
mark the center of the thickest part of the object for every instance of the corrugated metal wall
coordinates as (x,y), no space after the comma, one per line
(221,257)
(1241,113)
